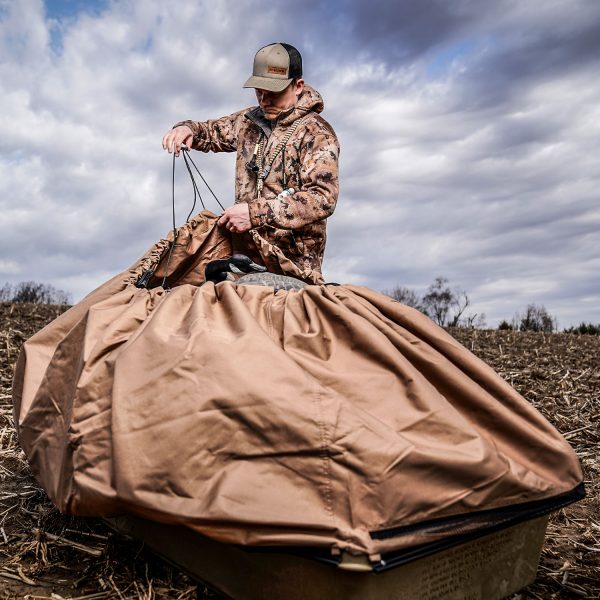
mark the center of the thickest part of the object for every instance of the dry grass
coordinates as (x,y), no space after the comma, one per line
(560,375)
(45,555)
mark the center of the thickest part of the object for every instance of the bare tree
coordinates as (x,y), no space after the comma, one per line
(406,296)
(445,306)
(460,302)
(33,292)
(473,321)
(536,318)
(6,293)
(438,301)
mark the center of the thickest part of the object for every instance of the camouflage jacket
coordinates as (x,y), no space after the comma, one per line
(288,234)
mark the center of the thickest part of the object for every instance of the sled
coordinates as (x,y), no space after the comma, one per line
(490,567)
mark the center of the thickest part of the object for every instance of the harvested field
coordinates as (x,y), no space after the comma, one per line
(44,554)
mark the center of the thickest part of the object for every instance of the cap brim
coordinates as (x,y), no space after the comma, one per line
(267,83)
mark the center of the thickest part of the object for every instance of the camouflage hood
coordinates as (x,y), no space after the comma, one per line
(310,101)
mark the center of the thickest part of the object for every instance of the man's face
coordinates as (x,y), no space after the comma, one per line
(274,103)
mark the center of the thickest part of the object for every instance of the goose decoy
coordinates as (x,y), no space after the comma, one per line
(240,264)
(251,274)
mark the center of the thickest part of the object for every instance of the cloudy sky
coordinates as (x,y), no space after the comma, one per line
(469,133)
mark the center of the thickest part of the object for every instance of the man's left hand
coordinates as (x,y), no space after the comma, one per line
(236,218)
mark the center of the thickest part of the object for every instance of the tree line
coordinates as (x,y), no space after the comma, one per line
(448,307)
(34,293)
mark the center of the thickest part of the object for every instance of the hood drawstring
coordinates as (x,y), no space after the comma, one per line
(283,175)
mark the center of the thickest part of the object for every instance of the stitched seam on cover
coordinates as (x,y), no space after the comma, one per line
(325,460)
(270,329)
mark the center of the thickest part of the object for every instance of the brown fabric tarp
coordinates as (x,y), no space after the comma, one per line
(310,418)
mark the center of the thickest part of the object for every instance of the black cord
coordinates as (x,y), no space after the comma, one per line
(174,226)
(202,177)
(197,195)
(194,185)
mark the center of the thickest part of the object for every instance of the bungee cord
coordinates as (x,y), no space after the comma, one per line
(164,280)
(186,157)
(197,195)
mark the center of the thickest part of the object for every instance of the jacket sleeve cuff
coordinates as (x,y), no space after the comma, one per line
(188,123)
(198,142)
(261,212)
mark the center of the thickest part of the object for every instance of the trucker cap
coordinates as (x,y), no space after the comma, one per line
(274,68)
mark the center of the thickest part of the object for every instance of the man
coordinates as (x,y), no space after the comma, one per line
(286,181)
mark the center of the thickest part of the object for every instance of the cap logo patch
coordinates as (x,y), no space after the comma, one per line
(277,70)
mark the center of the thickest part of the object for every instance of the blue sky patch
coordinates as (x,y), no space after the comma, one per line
(442,61)
(64,9)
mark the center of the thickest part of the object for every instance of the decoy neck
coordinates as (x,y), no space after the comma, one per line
(240,264)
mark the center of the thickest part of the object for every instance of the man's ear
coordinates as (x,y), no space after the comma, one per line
(299,87)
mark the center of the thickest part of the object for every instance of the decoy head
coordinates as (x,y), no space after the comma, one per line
(240,264)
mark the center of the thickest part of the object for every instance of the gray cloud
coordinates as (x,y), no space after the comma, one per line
(469,135)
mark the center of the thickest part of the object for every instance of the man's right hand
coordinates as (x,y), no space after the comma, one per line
(173,139)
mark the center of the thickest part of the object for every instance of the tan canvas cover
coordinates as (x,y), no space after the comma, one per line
(326,417)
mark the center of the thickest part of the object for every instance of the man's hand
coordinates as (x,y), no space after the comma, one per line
(173,139)
(236,218)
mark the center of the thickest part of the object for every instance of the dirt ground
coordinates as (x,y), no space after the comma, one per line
(45,555)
